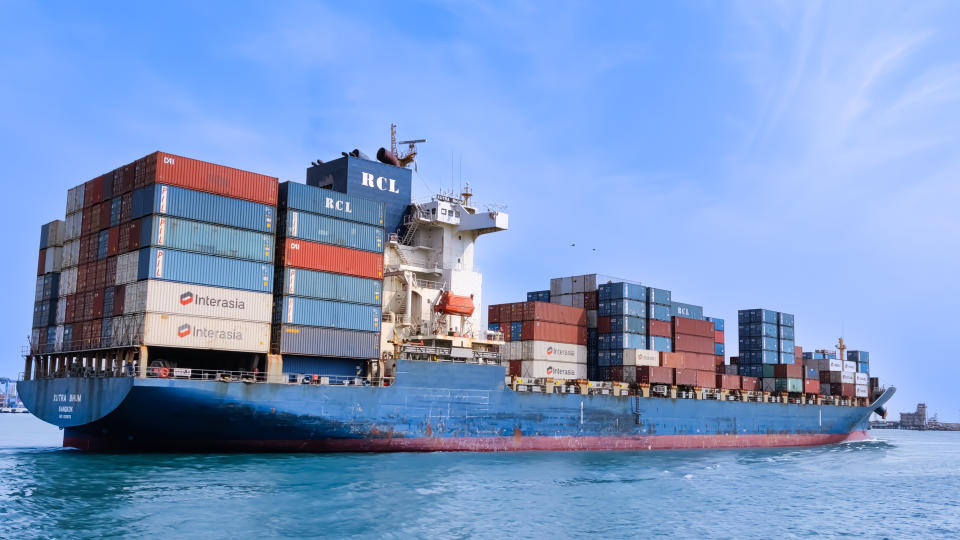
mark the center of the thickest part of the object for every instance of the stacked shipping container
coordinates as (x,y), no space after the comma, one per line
(544,340)
(48,307)
(329,280)
(169,251)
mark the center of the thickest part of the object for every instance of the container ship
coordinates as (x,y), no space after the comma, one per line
(186,306)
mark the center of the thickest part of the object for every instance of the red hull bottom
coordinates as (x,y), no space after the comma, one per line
(470,444)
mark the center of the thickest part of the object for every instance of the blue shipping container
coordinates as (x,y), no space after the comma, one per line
(758,329)
(787,345)
(786,332)
(758,316)
(312,312)
(328,230)
(614,291)
(206,207)
(312,340)
(516,331)
(811,373)
(758,343)
(759,357)
(622,341)
(718,348)
(44,235)
(632,308)
(787,358)
(663,344)
(116,207)
(186,267)
(658,312)
(750,370)
(863,368)
(659,296)
(785,319)
(217,240)
(327,202)
(103,244)
(326,286)
(689,311)
(633,325)
(538,296)
(369,180)
(108,295)
(858,356)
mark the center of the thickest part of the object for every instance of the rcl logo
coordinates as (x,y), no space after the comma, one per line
(167,160)
(341,206)
(380,182)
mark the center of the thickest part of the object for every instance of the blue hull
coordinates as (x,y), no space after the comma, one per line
(432,406)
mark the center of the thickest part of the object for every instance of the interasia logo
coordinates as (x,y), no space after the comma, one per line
(186,298)
(560,371)
(549,369)
(549,351)
(183,331)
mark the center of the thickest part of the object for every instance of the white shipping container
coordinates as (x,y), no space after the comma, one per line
(68,282)
(159,329)
(577,284)
(54,260)
(848,377)
(71,254)
(592,282)
(640,357)
(61,310)
(74,199)
(862,378)
(555,285)
(831,365)
(850,365)
(542,369)
(862,391)
(563,300)
(127,267)
(71,228)
(554,352)
(198,300)
(566,286)
(58,339)
(56,232)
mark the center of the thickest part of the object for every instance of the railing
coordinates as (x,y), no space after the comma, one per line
(427,284)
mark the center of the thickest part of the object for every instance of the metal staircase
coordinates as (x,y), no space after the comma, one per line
(410,223)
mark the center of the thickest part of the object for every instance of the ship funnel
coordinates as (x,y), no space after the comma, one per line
(357,154)
(385,156)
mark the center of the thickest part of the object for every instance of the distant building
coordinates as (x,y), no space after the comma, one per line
(914,420)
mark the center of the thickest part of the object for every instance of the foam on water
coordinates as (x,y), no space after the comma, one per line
(899,484)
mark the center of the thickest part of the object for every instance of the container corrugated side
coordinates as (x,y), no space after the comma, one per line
(216,240)
(297,196)
(323,366)
(312,312)
(329,230)
(71,253)
(68,282)
(205,207)
(197,300)
(163,168)
(173,265)
(553,351)
(541,369)
(74,199)
(197,332)
(327,258)
(328,286)
(311,340)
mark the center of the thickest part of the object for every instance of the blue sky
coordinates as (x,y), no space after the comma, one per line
(796,156)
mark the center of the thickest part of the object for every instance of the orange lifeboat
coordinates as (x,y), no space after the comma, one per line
(452,304)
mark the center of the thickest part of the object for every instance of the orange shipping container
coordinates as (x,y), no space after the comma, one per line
(544,311)
(811,386)
(163,168)
(659,328)
(728,382)
(493,314)
(750,384)
(686,360)
(548,331)
(718,336)
(694,344)
(329,258)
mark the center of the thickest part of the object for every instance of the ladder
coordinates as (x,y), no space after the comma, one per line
(410,223)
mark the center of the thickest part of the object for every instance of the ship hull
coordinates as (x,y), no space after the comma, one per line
(433,407)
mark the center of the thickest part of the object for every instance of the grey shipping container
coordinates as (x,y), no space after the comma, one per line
(310,340)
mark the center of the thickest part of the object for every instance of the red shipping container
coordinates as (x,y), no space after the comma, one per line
(105,215)
(515,368)
(718,336)
(655,375)
(701,361)
(107,186)
(516,312)
(113,241)
(750,384)
(101,274)
(695,344)
(126,207)
(94,329)
(128,237)
(659,328)
(728,382)
(80,310)
(119,300)
(81,278)
(163,168)
(505,313)
(590,300)
(718,360)
(110,276)
(41,341)
(693,327)
(784,371)
(493,314)
(116,188)
(721,369)
(70,309)
(798,354)
(328,258)
(706,379)
(847,390)
(548,331)
(86,220)
(95,215)
(92,192)
(603,325)
(41,261)
(687,377)
(734,360)
(505,330)
(811,386)
(96,308)
(544,311)
(671,359)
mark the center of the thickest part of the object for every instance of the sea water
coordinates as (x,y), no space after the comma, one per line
(902,484)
